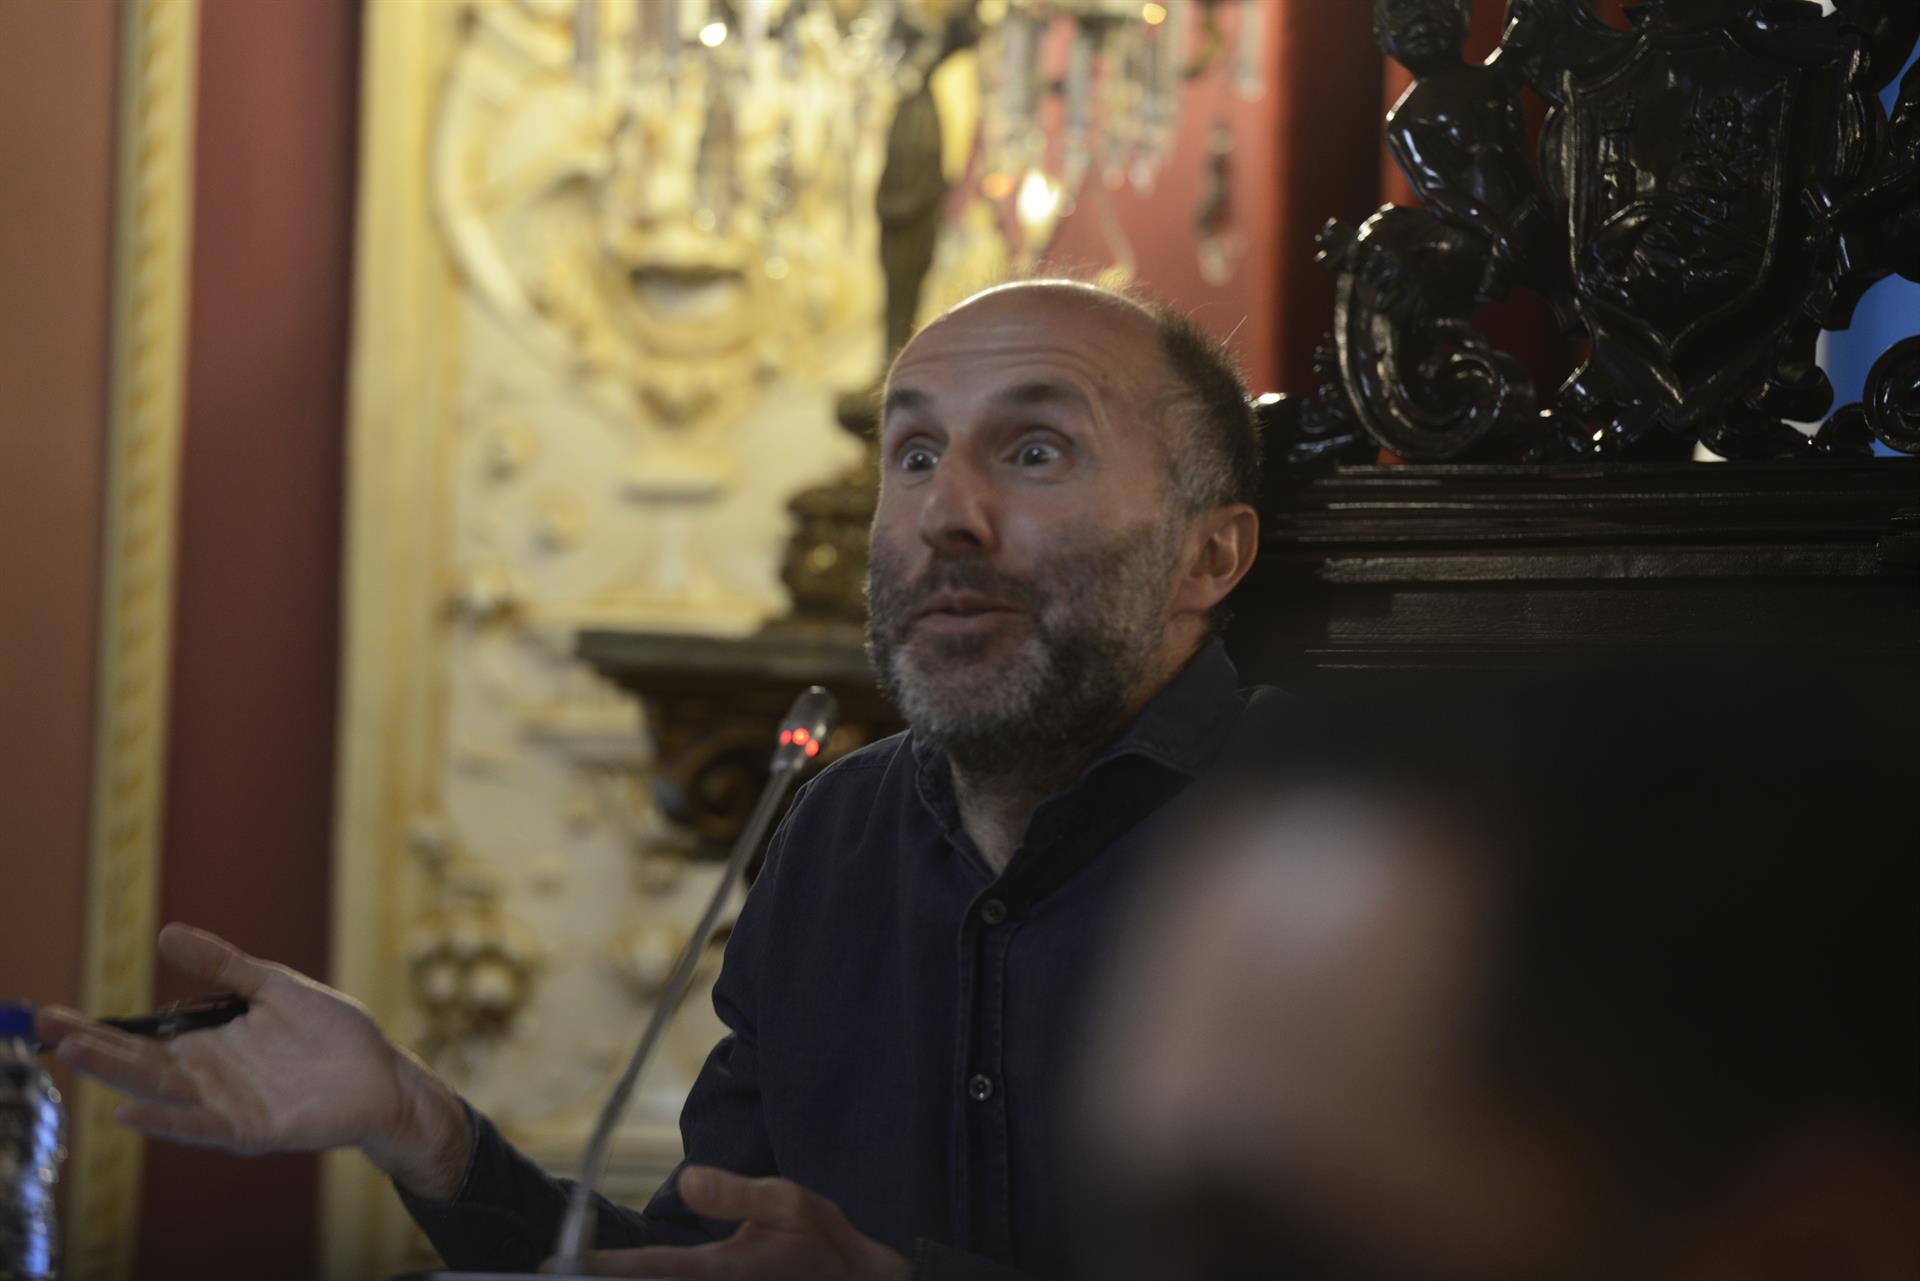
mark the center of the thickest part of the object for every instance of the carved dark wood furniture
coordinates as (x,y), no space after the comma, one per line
(1445,565)
(1712,188)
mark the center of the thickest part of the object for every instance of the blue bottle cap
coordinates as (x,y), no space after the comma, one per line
(16,1020)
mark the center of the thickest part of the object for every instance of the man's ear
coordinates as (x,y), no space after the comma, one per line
(1220,552)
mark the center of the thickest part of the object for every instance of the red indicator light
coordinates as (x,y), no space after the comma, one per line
(801,736)
(786,737)
(813,749)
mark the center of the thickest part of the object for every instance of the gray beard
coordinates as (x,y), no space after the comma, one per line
(1096,615)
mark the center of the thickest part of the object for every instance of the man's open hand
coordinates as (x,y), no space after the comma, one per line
(304,1068)
(788,1234)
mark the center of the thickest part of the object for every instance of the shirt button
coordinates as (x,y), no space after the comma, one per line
(980,1087)
(993,911)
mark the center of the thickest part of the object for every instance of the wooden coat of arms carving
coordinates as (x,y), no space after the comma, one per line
(1714,187)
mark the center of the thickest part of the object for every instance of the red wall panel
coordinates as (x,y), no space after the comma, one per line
(250,754)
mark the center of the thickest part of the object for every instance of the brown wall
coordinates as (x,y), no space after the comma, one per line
(250,752)
(1327,141)
(56,173)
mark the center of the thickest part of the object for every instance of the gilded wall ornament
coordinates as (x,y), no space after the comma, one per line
(472,967)
(672,241)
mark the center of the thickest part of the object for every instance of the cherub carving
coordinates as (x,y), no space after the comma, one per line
(1458,134)
(1421,380)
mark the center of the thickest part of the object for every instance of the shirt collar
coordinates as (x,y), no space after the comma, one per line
(1182,728)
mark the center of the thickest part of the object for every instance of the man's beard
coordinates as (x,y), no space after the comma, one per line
(1095,615)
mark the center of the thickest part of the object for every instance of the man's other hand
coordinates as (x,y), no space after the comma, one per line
(304,1068)
(787,1234)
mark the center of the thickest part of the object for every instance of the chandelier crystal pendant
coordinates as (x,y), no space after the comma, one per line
(1068,88)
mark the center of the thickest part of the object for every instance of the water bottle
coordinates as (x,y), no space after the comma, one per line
(30,1154)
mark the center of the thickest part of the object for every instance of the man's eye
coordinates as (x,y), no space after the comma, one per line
(1038,454)
(918,459)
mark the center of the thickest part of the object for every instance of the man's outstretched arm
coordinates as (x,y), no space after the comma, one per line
(305,1069)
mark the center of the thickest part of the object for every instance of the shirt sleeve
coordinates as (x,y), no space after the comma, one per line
(507,1213)
(722,1124)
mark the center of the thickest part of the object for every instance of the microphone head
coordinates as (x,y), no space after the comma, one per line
(808,725)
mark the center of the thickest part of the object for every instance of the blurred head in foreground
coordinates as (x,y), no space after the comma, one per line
(1597,978)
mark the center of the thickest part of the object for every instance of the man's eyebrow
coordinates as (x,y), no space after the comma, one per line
(1035,394)
(903,400)
(1028,395)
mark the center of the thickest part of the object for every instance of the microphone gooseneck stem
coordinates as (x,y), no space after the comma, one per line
(576,1230)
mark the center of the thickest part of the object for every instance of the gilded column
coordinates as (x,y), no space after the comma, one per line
(152,225)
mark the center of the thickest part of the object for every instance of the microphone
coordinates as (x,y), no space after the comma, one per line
(803,736)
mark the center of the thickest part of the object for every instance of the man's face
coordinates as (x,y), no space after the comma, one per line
(1024,546)
(1283,1085)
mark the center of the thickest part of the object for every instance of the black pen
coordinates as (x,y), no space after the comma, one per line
(196,1014)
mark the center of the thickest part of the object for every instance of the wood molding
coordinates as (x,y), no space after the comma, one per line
(152,232)
(1437,566)
(404,310)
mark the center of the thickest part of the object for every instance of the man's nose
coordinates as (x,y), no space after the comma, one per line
(959,515)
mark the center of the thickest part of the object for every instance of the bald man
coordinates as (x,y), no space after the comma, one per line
(1066,501)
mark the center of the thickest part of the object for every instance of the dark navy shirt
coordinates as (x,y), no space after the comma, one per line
(902,1019)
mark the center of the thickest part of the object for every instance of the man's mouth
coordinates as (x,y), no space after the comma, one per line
(962,613)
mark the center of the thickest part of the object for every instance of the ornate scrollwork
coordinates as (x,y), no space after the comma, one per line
(472,972)
(1717,184)
(1422,381)
(1321,429)
(1892,406)
(470,961)
(1876,223)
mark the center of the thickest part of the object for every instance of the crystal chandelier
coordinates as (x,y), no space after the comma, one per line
(1119,91)
(674,76)
(1067,88)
